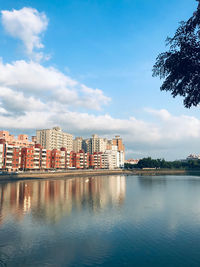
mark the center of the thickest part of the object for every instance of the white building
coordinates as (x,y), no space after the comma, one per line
(54,139)
(95,144)
(77,144)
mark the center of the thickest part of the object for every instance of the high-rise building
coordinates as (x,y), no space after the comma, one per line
(117,141)
(86,145)
(54,138)
(95,144)
(77,144)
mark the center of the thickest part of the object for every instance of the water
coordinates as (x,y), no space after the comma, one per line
(101,221)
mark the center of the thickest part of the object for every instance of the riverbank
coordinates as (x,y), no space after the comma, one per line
(56,175)
(91,173)
(156,172)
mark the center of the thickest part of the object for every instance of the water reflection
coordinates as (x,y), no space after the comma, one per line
(51,200)
(87,222)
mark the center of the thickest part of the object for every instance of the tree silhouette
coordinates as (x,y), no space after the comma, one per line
(180,65)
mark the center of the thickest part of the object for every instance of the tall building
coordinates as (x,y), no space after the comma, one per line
(86,145)
(95,144)
(117,141)
(77,144)
(54,138)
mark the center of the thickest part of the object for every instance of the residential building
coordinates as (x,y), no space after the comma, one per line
(97,161)
(10,156)
(67,155)
(77,144)
(27,158)
(110,159)
(34,139)
(54,138)
(95,152)
(95,144)
(56,159)
(117,141)
(20,141)
(86,145)
(81,160)
(1,155)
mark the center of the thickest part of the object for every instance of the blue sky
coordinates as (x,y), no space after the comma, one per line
(106,45)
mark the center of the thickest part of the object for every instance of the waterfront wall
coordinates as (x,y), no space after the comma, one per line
(88,173)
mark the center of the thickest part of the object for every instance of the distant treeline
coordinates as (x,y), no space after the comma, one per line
(163,164)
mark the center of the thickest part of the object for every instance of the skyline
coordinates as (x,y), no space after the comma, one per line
(54,56)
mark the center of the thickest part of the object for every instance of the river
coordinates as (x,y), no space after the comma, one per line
(102,221)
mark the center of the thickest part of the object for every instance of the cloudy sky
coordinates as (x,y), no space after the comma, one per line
(86,66)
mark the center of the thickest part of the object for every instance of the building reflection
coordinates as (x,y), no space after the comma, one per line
(50,200)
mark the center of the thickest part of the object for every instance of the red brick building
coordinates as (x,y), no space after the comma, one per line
(27,158)
(55,159)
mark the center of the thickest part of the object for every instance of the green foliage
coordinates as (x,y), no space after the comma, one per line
(180,65)
(162,164)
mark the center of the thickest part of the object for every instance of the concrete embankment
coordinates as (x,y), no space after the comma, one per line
(91,173)
(58,175)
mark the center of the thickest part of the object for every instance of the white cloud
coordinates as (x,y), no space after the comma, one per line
(94,98)
(26,24)
(16,102)
(161,139)
(47,84)
(33,77)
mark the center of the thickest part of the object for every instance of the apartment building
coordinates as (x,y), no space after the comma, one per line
(114,151)
(10,156)
(27,158)
(54,138)
(67,156)
(56,159)
(86,145)
(98,144)
(1,155)
(95,152)
(117,141)
(81,160)
(37,158)
(21,141)
(120,159)
(109,160)
(97,160)
(77,144)
(95,144)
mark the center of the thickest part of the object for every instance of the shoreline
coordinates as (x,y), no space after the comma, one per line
(90,173)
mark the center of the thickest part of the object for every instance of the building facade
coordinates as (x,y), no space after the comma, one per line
(20,141)
(95,152)
(77,144)
(54,138)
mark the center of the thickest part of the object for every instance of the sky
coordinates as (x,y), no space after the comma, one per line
(86,66)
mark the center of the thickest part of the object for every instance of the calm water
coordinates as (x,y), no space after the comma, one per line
(104,221)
